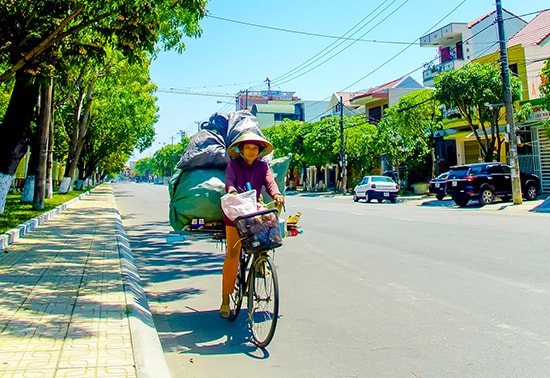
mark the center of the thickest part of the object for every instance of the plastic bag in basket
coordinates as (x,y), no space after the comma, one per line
(236,205)
(260,231)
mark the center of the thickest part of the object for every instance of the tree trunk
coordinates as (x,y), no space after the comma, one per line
(43,133)
(66,185)
(81,119)
(304,178)
(5,183)
(15,130)
(49,161)
(27,196)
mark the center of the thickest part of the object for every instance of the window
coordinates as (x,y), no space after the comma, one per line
(493,169)
(381,179)
(514,69)
(476,169)
(375,114)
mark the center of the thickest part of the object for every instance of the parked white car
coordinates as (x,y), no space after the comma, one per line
(376,187)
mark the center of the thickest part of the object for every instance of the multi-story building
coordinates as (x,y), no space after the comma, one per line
(274,112)
(246,99)
(459,43)
(527,50)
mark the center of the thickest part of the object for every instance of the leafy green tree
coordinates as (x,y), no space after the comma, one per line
(361,151)
(120,119)
(144,167)
(322,142)
(405,133)
(38,34)
(477,92)
(164,161)
(288,139)
(36,31)
(318,143)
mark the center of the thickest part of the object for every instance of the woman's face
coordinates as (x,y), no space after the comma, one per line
(250,152)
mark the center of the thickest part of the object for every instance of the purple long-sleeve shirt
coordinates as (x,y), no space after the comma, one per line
(238,173)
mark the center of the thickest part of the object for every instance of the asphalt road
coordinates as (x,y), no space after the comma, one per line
(368,290)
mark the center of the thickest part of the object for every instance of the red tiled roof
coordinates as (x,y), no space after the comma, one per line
(380,88)
(478,20)
(346,96)
(534,33)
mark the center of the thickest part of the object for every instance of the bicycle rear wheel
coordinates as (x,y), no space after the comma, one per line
(236,298)
(263,300)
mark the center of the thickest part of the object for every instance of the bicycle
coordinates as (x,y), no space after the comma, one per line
(257,277)
(260,233)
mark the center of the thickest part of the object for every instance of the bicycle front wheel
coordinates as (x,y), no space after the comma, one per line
(236,298)
(263,301)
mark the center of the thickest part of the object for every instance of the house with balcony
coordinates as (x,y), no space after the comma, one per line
(459,43)
(527,50)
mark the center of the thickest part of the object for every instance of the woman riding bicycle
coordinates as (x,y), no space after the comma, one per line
(244,167)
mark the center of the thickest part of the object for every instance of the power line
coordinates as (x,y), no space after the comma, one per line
(338,42)
(326,59)
(196,92)
(304,32)
(406,48)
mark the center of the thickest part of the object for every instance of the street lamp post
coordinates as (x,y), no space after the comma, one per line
(512,148)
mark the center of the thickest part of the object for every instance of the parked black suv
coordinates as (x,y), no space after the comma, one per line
(485,181)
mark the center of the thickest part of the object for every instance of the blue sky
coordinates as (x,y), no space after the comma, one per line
(295,45)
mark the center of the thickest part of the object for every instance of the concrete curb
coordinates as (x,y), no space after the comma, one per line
(148,353)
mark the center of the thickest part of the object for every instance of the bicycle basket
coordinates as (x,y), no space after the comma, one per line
(259,231)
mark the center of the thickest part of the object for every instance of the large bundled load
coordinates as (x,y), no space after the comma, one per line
(199,181)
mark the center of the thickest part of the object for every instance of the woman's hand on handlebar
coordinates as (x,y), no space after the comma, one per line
(279,199)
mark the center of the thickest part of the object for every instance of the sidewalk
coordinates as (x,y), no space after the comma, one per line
(71,302)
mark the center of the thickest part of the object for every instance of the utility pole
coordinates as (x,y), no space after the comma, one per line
(512,140)
(342,148)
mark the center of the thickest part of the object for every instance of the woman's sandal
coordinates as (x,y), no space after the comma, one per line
(225,311)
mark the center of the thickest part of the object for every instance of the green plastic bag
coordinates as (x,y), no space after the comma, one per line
(279,167)
(196,194)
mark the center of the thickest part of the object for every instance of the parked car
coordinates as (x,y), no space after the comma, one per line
(376,187)
(438,186)
(485,181)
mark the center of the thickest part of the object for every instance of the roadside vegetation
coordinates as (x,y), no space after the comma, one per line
(75,86)
(16,212)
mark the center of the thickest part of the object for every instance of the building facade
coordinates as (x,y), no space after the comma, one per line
(459,43)
(527,50)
